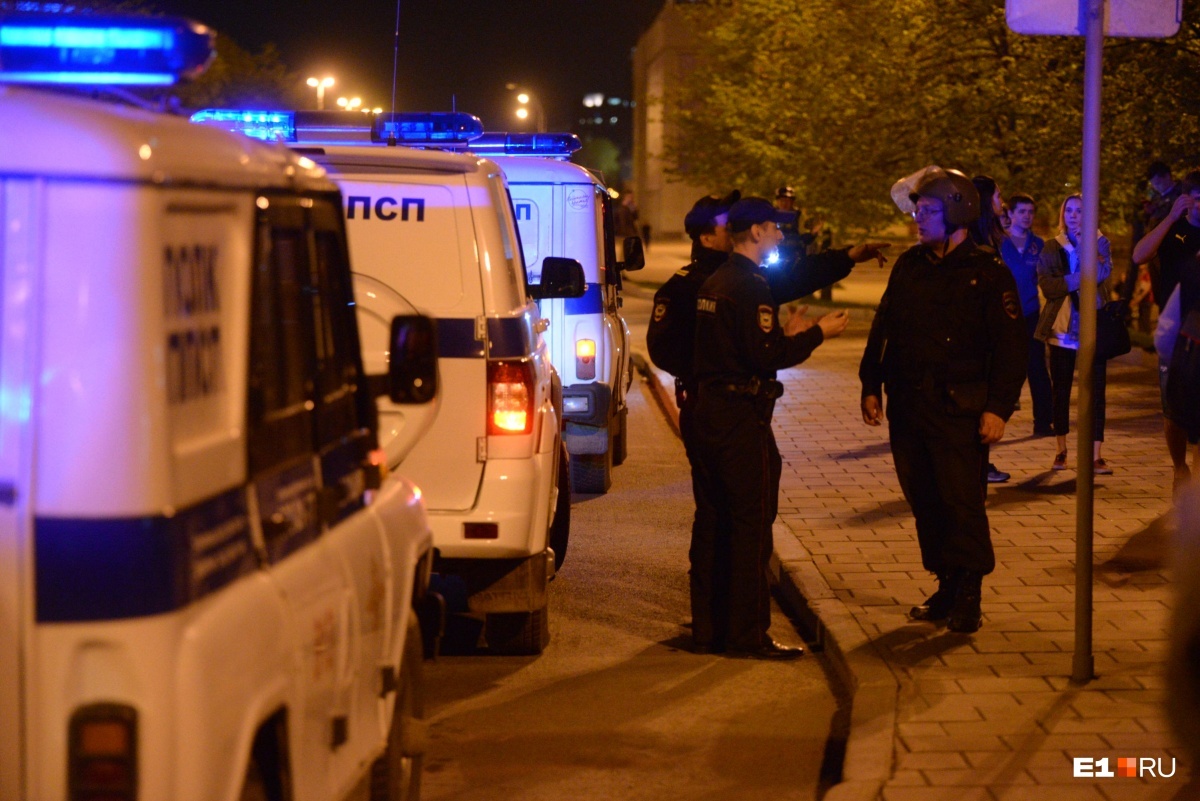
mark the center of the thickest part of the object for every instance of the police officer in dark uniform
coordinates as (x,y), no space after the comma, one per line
(672,330)
(948,341)
(795,243)
(739,346)
(671,333)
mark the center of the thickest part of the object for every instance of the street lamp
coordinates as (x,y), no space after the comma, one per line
(529,104)
(350,103)
(320,85)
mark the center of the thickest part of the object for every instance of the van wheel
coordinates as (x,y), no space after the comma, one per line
(560,528)
(620,446)
(396,775)
(518,633)
(591,474)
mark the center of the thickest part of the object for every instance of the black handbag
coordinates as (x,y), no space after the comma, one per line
(1112,335)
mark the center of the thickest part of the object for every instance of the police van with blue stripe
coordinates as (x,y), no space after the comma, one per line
(207,586)
(564,210)
(434,231)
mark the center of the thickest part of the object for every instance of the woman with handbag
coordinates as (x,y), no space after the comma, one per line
(1058,278)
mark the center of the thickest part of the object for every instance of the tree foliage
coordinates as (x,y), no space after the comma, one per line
(840,98)
(241,79)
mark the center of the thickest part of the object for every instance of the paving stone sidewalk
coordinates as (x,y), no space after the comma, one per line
(991,715)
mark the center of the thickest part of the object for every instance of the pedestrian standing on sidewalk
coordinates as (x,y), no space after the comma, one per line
(1058,327)
(948,344)
(739,347)
(1021,250)
(1176,243)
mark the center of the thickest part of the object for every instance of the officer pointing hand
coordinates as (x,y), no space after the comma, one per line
(867,251)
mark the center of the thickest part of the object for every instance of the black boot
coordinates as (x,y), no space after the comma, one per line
(965,615)
(937,606)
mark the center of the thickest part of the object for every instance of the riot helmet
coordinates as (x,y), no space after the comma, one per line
(955,191)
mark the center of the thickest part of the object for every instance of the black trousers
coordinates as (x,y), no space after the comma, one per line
(1040,387)
(942,467)
(736,484)
(1062,376)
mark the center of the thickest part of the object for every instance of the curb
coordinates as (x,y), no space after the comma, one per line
(874,690)
(872,686)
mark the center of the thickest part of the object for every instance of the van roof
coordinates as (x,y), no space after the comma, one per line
(526,169)
(52,134)
(380,155)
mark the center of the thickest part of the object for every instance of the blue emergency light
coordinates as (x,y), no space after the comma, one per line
(270,126)
(499,143)
(47,48)
(431,129)
(427,128)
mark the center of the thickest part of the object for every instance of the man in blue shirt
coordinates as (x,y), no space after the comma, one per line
(1020,251)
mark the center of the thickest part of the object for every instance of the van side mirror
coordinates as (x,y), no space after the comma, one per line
(635,254)
(561,278)
(412,376)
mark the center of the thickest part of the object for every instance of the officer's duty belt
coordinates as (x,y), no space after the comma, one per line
(754,388)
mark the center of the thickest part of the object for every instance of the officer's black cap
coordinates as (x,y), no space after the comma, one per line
(754,211)
(705,211)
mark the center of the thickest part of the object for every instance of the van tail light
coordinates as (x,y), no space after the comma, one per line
(103,753)
(510,397)
(585,359)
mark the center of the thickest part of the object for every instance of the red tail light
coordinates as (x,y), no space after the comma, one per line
(510,397)
(103,753)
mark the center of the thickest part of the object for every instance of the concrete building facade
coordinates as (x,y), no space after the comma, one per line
(666,50)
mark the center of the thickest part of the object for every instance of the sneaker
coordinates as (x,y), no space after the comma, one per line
(997,476)
(1101,468)
(1060,461)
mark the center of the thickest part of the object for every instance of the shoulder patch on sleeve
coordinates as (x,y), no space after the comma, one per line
(1012,307)
(660,309)
(683,271)
(766,318)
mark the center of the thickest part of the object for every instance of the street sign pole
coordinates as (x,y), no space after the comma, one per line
(1083,665)
(1093,19)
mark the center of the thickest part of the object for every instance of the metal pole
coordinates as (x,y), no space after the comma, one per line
(1083,664)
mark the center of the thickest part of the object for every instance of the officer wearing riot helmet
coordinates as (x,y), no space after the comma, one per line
(948,342)
(739,346)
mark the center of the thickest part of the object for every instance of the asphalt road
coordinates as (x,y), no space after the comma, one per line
(617,707)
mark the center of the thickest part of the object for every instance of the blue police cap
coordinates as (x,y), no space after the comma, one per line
(754,211)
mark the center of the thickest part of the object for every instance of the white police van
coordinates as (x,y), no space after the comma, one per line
(563,209)
(200,596)
(434,231)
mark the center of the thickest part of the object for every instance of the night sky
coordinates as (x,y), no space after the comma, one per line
(560,49)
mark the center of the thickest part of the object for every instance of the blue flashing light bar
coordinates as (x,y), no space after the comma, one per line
(430,128)
(49,48)
(526,144)
(269,126)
